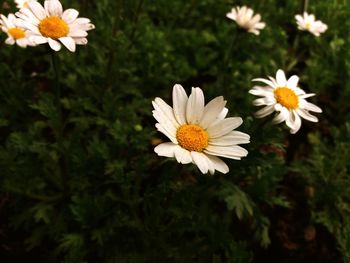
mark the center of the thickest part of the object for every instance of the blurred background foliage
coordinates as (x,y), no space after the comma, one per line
(79,179)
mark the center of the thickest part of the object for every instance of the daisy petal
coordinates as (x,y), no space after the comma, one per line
(218,164)
(55,45)
(195,106)
(182,156)
(179,103)
(201,161)
(281,78)
(68,42)
(70,15)
(166,149)
(222,127)
(212,111)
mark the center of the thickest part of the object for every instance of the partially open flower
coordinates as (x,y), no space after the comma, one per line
(307,23)
(198,133)
(15,34)
(50,24)
(284,96)
(245,19)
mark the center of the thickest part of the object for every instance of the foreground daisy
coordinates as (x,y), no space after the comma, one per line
(49,24)
(308,23)
(198,133)
(22,3)
(283,96)
(14,34)
(245,19)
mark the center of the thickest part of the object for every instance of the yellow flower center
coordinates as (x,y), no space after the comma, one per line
(53,27)
(16,33)
(192,137)
(286,97)
(308,25)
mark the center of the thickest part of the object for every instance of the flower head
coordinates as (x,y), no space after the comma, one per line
(284,96)
(308,23)
(22,3)
(198,133)
(50,24)
(14,33)
(245,19)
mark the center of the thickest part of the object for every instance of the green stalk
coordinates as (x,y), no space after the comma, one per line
(62,163)
(305,5)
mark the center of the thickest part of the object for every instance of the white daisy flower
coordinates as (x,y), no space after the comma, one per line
(15,34)
(50,24)
(245,19)
(284,96)
(198,133)
(308,23)
(22,3)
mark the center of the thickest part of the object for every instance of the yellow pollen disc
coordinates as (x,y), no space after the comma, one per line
(16,33)
(308,25)
(53,27)
(192,137)
(286,97)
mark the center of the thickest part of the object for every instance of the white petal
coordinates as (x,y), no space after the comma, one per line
(55,45)
(31,27)
(201,161)
(77,33)
(304,96)
(166,111)
(222,114)
(293,82)
(306,115)
(230,139)
(281,78)
(38,39)
(233,152)
(179,103)
(222,127)
(261,91)
(70,15)
(266,81)
(68,42)
(37,9)
(312,107)
(168,134)
(166,149)
(218,164)
(22,42)
(265,111)
(212,111)
(195,106)
(182,155)
(54,8)
(264,101)
(80,40)
(10,41)
(165,123)
(293,122)
(282,116)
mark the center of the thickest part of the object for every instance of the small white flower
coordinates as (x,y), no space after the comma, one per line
(14,33)
(284,96)
(22,3)
(50,24)
(308,23)
(245,19)
(198,133)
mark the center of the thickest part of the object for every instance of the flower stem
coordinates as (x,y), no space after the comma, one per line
(55,62)
(306,3)
(227,61)
(62,162)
